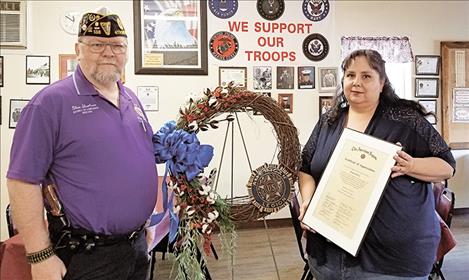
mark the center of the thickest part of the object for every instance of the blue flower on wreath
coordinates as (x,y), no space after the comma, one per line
(181,151)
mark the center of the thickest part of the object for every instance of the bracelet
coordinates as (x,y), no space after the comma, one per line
(40,256)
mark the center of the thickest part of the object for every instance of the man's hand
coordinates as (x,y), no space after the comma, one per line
(51,269)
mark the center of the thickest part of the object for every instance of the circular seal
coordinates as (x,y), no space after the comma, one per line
(315,47)
(224,45)
(315,10)
(223,9)
(270,9)
(270,187)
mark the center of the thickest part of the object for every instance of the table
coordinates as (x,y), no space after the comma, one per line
(13,263)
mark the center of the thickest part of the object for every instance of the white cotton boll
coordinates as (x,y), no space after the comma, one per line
(190,213)
(212,101)
(211,216)
(177,208)
(204,228)
(224,91)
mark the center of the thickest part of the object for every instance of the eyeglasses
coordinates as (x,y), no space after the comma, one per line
(100,47)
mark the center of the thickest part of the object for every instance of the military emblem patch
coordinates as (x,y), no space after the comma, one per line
(315,10)
(270,9)
(223,8)
(315,47)
(270,187)
(224,45)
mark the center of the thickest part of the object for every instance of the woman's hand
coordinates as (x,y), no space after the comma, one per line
(404,164)
(303,207)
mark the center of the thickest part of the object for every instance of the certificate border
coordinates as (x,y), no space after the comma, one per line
(351,245)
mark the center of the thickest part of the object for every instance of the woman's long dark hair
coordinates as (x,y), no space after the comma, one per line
(387,97)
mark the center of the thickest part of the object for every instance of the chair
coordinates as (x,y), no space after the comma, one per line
(295,212)
(11,228)
(444,206)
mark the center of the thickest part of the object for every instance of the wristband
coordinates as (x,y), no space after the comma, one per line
(40,256)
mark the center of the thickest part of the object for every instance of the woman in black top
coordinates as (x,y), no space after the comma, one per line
(403,236)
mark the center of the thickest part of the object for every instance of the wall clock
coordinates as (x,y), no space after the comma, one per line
(69,22)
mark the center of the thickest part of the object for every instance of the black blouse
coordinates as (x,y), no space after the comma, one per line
(404,233)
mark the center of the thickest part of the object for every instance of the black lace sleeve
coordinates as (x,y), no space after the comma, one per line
(309,149)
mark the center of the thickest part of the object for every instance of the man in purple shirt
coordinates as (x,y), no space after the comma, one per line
(88,135)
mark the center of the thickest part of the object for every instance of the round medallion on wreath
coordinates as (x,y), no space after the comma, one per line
(315,10)
(271,187)
(315,47)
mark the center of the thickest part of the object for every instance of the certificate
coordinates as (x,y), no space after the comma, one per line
(148,96)
(350,189)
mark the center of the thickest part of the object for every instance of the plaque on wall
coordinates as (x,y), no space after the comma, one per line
(315,10)
(270,9)
(223,8)
(315,47)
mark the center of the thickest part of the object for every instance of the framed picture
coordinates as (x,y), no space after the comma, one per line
(269,94)
(306,76)
(285,100)
(285,77)
(67,65)
(1,71)
(37,70)
(325,103)
(262,77)
(16,106)
(430,106)
(237,75)
(427,65)
(148,96)
(328,79)
(426,87)
(460,105)
(170,45)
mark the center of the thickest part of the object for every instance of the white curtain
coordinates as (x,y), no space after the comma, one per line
(392,49)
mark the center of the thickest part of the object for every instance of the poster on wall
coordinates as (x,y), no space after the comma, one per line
(170,37)
(461,105)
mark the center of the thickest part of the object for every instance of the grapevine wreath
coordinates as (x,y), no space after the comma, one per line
(199,210)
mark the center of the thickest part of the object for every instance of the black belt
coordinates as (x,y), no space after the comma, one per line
(76,238)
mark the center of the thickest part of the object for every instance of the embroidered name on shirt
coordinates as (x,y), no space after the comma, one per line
(84,108)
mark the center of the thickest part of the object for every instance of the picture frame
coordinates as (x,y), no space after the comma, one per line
(237,75)
(168,53)
(328,79)
(325,103)
(37,69)
(67,65)
(1,71)
(306,77)
(262,77)
(16,106)
(427,64)
(427,87)
(285,77)
(430,106)
(149,97)
(285,101)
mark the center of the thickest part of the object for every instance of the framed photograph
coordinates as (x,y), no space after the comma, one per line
(306,76)
(37,70)
(426,87)
(67,65)
(430,106)
(269,94)
(237,75)
(16,106)
(427,65)
(325,103)
(285,77)
(262,77)
(285,100)
(350,189)
(1,71)
(461,105)
(148,96)
(328,79)
(169,44)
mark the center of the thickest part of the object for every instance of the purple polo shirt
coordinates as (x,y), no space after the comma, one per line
(100,156)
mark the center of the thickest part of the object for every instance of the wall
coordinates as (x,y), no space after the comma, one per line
(425,25)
